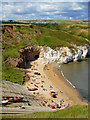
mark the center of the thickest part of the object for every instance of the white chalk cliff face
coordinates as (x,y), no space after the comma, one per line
(64,54)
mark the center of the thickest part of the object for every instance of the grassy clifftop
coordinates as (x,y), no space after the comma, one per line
(16,36)
(77,111)
(51,34)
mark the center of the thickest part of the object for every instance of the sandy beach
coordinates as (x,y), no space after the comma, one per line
(70,94)
(51,79)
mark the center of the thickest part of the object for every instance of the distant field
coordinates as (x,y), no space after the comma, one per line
(77,111)
(16,36)
(39,21)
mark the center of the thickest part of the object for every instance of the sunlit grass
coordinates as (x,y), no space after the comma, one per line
(77,111)
(54,35)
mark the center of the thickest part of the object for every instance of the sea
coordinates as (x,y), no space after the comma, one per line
(77,74)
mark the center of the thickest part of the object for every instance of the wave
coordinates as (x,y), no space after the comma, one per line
(67,79)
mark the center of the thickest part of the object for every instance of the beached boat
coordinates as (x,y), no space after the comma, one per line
(15,99)
(4,102)
(32,89)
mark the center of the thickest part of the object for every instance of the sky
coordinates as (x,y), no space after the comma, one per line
(46,10)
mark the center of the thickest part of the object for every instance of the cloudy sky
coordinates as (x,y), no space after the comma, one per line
(46,10)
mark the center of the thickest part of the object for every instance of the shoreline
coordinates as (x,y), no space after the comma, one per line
(68,88)
(67,80)
(84,100)
(51,76)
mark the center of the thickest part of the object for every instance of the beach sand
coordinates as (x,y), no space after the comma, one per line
(70,93)
(52,78)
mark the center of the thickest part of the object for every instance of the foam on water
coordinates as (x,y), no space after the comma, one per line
(76,75)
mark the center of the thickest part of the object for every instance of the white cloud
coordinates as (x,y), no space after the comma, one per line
(45,1)
(65,17)
(47,13)
(45,7)
(29,5)
(75,6)
(26,17)
(4,16)
(48,18)
(7,8)
(12,8)
(60,12)
(70,18)
(42,10)
(32,14)
(57,12)
(18,10)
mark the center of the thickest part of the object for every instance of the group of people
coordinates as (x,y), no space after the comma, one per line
(53,104)
(37,80)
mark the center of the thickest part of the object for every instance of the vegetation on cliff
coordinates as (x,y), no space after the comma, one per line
(17,36)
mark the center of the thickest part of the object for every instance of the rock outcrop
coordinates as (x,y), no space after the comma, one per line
(60,54)
(65,54)
(29,53)
(14,61)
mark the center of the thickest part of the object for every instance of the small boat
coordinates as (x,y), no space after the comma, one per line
(15,99)
(32,89)
(38,83)
(4,102)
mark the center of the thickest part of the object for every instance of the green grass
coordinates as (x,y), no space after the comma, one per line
(64,33)
(54,35)
(11,51)
(12,73)
(78,111)
(54,38)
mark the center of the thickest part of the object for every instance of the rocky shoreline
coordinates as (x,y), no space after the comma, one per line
(59,54)
(66,55)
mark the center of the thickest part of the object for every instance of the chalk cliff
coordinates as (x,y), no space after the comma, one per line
(65,54)
(49,55)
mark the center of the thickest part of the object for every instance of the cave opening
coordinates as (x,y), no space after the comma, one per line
(36,57)
(27,55)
